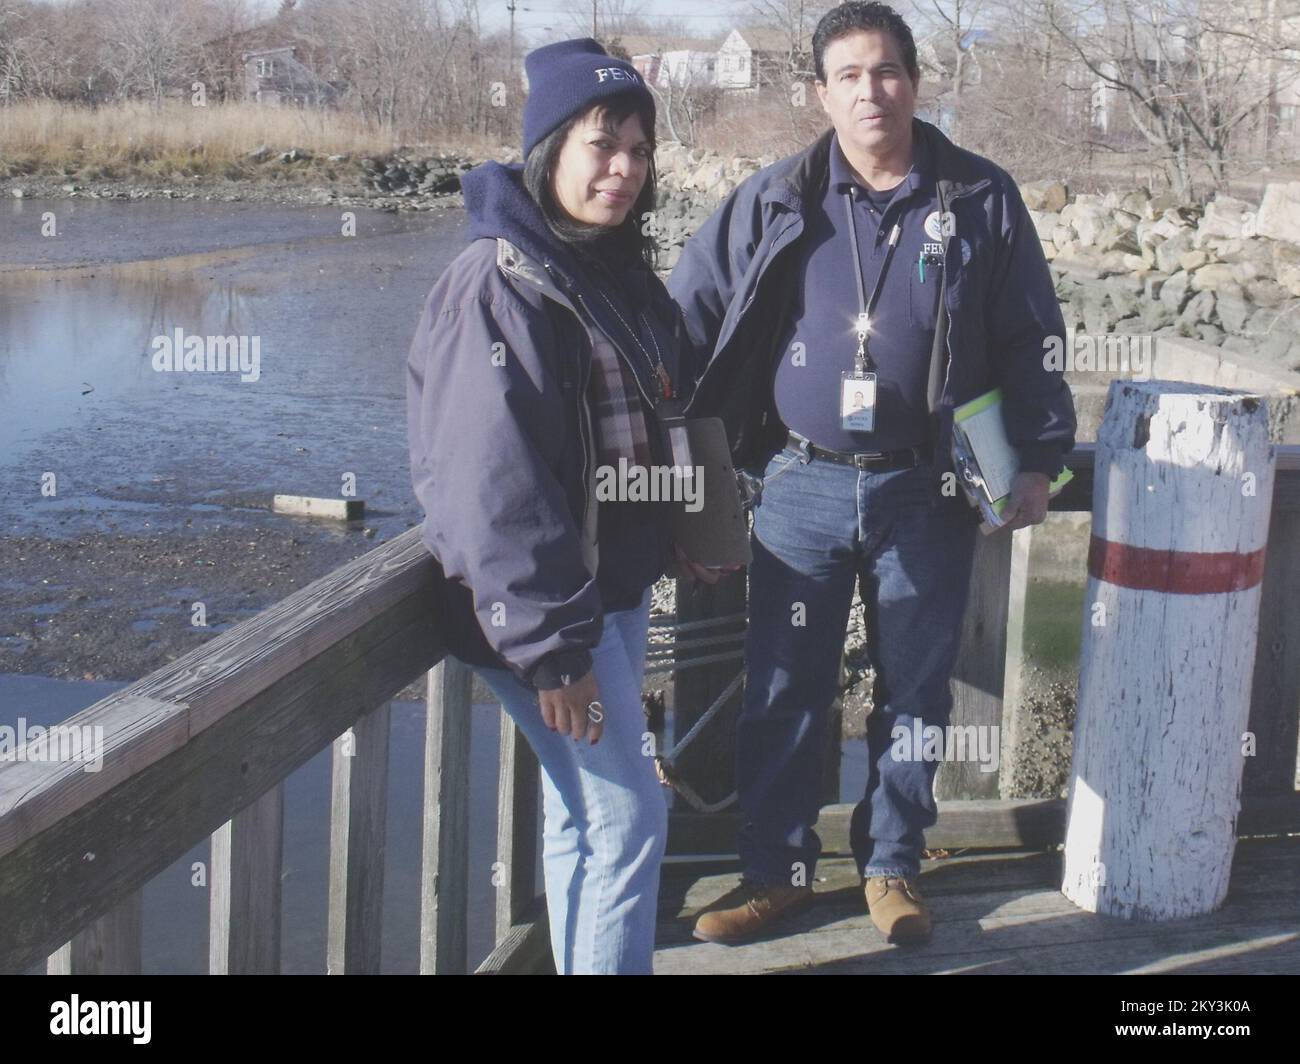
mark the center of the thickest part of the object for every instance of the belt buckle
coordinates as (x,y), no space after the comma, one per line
(865,461)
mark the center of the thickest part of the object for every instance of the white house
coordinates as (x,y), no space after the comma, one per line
(743,61)
(681,61)
(747,58)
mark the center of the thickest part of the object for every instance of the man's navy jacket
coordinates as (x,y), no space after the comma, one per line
(733,285)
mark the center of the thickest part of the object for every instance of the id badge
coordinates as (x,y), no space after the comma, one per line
(857,401)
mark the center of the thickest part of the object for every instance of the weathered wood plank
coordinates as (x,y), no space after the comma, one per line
(1011,823)
(687,883)
(110,945)
(525,949)
(1261,946)
(1014,928)
(444,880)
(978,672)
(1031,823)
(1013,683)
(49,889)
(517,829)
(1275,687)
(1286,484)
(244,885)
(153,718)
(837,884)
(358,843)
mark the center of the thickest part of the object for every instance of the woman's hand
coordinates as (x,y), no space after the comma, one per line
(568,709)
(685,569)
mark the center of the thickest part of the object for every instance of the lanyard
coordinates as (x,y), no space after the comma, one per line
(865,305)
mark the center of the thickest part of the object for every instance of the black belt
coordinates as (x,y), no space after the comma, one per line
(878,461)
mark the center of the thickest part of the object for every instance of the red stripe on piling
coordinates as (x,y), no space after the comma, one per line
(1175,572)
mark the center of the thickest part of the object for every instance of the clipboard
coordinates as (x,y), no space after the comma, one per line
(717,534)
(984,459)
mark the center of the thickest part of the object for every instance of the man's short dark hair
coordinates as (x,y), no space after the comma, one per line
(854,17)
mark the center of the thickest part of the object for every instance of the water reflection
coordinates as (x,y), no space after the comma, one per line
(73,342)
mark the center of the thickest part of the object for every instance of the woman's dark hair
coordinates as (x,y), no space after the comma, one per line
(625,240)
(855,17)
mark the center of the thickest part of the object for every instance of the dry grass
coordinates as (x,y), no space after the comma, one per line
(137,140)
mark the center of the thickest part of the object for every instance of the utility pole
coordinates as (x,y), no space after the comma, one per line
(510,6)
(1271,115)
(594,4)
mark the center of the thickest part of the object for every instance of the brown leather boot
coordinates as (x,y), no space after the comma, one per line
(897,909)
(748,910)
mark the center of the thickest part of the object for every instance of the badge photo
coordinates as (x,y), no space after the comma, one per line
(858,402)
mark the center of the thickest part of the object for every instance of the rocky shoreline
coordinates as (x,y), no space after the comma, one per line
(401,180)
(1226,272)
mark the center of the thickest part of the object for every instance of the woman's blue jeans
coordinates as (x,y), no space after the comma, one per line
(605,812)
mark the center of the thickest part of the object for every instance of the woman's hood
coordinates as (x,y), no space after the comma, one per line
(499,206)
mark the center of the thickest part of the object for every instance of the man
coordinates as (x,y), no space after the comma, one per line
(885,261)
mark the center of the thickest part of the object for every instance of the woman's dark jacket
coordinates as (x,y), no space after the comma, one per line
(504,448)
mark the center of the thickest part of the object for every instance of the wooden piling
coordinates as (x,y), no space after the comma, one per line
(1183,490)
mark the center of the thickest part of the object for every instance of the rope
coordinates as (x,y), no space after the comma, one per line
(662,658)
(669,778)
(665,763)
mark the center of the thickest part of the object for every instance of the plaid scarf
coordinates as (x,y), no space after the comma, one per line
(622,425)
(622,420)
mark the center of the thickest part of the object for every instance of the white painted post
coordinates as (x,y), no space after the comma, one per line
(1181,501)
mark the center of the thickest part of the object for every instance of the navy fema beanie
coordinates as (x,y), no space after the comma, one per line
(566,78)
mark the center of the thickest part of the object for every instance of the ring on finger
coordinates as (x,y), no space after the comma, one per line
(595,712)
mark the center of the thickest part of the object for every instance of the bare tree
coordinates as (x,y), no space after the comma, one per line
(20,48)
(606,20)
(149,45)
(224,25)
(792,22)
(391,53)
(686,97)
(1189,74)
(955,39)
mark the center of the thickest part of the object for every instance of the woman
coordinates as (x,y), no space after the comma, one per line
(546,350)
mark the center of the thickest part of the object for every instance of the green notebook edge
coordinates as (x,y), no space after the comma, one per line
(972,407)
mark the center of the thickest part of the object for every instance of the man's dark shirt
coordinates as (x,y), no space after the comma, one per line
(826,302)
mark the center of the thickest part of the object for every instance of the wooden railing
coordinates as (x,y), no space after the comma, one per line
(203,746)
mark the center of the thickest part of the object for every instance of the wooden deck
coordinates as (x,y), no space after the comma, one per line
(202,748)
(996,914)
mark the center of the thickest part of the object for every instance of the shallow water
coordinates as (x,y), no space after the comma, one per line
(330,317)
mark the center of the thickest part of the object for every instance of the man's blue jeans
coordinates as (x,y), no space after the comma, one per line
(818,528)
(605,814)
